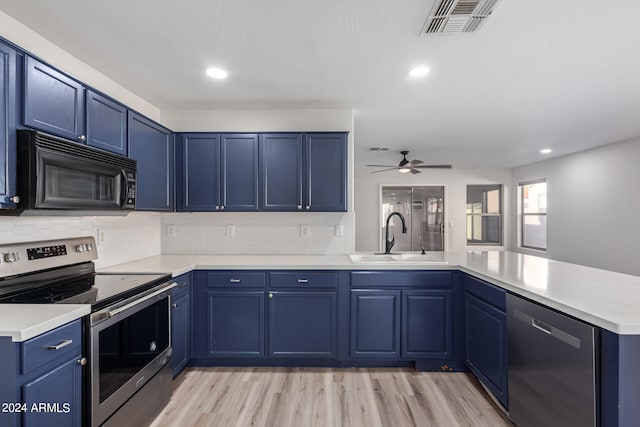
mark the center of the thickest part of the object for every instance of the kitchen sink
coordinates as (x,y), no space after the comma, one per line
(399,258)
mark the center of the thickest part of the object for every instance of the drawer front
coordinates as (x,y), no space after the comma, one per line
(485,291)
(183,285)
(233,279)
(304,279)
(57,345)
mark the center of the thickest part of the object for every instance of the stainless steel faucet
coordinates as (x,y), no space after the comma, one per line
(388,244)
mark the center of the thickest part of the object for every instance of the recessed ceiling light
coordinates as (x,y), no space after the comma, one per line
(419,72)
(545,151)
(217,73)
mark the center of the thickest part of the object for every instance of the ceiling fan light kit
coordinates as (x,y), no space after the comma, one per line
(406,166)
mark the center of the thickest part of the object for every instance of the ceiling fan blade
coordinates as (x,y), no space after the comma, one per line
(382,166)
(416,162)
(434,167)
(385,170)
(414,171)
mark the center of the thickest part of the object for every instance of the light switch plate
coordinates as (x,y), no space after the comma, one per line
(230,230)
(171,230)
(339,230)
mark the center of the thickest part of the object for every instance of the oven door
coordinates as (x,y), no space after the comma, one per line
(129,344)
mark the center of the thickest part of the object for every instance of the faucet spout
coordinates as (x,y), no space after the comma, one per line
(388,244)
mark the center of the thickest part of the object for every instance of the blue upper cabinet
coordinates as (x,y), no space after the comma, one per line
(239,172)
(325,180)
(303,172)
(218,172)
(106,124)
(7,127)
(151,145)
(198,172)
(53,102)
(281,172)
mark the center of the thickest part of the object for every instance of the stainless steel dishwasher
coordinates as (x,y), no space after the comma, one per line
(552,367)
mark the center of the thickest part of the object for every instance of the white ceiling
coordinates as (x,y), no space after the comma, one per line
(560,74)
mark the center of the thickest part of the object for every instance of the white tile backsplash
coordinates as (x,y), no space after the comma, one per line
(127,238)
(257,233)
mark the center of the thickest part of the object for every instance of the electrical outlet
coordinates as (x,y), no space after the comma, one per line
(230,230)
(339,230)
(305,230)
(100,234)
(171,230)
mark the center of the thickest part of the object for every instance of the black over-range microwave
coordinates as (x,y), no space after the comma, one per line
(54,173)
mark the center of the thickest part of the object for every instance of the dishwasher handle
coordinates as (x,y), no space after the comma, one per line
(553,331)
(538,324)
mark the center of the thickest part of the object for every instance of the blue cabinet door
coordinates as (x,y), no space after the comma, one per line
(302,324)
(7,127)
(427,324)
(53,101)
(61,389)
(181,328)
(198,162)
(151,145)
(281,172)
(375,324)
(325,183)
(106,124)
(239,170)
(486,344)
(235,323)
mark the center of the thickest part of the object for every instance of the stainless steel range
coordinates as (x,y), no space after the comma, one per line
(127,335)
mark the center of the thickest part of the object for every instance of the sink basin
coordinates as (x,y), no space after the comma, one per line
(410,258)
(372,258)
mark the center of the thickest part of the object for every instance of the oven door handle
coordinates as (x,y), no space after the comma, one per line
(126,307)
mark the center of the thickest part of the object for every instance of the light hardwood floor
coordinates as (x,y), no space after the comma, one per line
(303,397)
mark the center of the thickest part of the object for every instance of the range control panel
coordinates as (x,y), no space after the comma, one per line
(27,257)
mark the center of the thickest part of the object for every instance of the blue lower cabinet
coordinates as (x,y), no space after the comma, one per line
(485,334)
(427,330)
(41,379)
(302,324)
(55,398)
(235,323)
(375,324)
(181,323)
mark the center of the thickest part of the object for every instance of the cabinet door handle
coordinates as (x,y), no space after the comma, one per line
(82,138)
(303,280)
(307,207)
(217,208)
(59,346)
(270,295)
(15,199)
(235,280)
(299,207)
(174,305)
(82,361)
(222,207)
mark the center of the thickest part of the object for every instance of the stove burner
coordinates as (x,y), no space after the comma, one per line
(33,297)
(70,287)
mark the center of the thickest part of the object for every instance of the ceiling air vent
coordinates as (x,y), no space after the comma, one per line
(458,16)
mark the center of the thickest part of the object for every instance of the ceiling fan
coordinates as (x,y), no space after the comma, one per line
(408,166)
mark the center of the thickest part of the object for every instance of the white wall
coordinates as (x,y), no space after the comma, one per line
(126,238)
(593,206)
(34,43)
(455,181)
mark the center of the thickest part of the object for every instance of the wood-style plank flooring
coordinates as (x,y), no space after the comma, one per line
(304,397)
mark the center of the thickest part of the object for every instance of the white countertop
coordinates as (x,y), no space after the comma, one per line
(603,298)
(25,321)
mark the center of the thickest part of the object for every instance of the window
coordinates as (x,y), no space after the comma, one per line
(532,197)
(423,211)
(484,214)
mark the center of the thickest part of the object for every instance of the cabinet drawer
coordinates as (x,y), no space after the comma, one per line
(183,286)
(57,345)
(303,279)
(485,291)
(236,280)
